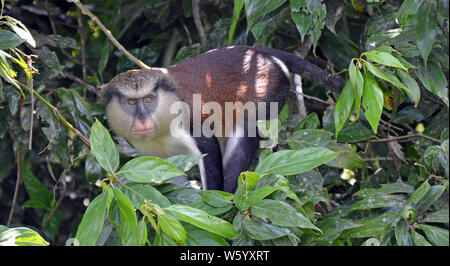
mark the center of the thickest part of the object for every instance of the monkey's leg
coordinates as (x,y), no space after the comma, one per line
(211,169)
(241,153)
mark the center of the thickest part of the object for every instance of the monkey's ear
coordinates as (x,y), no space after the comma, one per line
(102,94)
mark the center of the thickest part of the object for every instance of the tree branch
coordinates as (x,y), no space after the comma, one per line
(84,10)
(198,22)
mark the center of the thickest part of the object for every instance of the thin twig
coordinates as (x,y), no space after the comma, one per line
(198,22)
(314,98)
(80,81)
(57,113)
(82,40)
(60,199)
(109,35)
(378,159)
(19,177)
(188,34)
(403,137)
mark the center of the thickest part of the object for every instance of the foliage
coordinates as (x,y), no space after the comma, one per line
(367,166)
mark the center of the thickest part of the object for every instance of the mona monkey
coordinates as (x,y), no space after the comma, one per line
(138,105)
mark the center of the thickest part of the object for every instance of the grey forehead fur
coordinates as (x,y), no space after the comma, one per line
(135,80)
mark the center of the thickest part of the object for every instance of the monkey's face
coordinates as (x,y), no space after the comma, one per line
(138,105)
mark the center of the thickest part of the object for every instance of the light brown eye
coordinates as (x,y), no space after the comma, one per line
(132,101)
(148,100)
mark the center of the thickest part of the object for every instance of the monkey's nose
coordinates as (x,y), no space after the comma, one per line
(143,128)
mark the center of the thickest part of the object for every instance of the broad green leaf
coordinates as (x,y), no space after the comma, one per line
(377,201)
(172,227)
(129,235)
(358,84)
(200,237)
(332,228)
(282,214)
(237,8)
(372,226)
(93,219)
(102,146)
(250,178)
(344,107)
(433,194)
(434,80)
(385,190)
(142,233)
(306,138)
(104,55)
(384,59)
(354,133)
(439,216)
(426,29)
(254,10)
(203,220)
(137,193)
(411,83)
(291,162)
(9,40)
(212,210)
(373,101)
(149,169)
(20,236)
(436,235)
(216,198)
(408,9)
(253,197)
(385,76)
(260,230)
(419,193)
(402,234)
(419,240)
(185,162)
(36,190)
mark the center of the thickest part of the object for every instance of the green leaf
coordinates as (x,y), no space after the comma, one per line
(402,234)
(203,220)
(172,227)
(259,230)
(384,59)
(102,146)
(93,219)
(373,101)
(385,76)
(149,169)
(137,193)
(419,193)
(238,5)
(253,197)
(408,9)
(216,198)
(306,138)
(434,80)
(36,190)
(385,190)
(104,55)
(200,237)
(344,106)
(433,194)
(419,240)
(20,236)
(142,233)
(9,40)
(439,216)
(411,83)
(129,234)
(254,10)
(436,235)
(332,228)
(282,214)
(426,29)
(358,84)
(384,201)
(354,133)
(185,162)
(291,162)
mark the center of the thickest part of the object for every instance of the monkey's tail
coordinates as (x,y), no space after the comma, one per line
(306,69)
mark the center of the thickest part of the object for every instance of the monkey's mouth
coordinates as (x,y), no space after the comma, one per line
(143,132)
